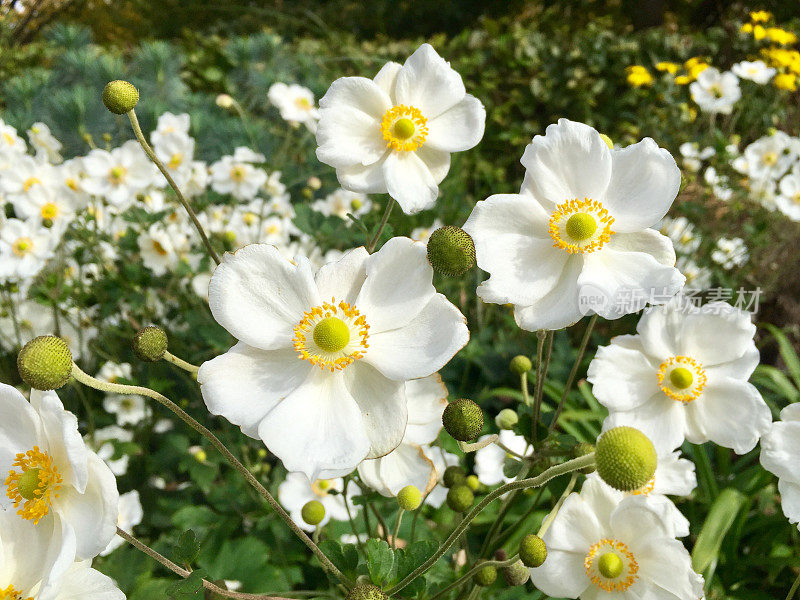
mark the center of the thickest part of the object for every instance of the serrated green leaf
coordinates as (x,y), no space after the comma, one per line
(344,556)
(190,588)
(380,562)
(187,547)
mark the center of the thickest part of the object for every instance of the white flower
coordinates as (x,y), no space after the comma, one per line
(75,489)
(11,145)
(769,157)
(489,460)
(163,248)
(578,236)
(320,368)
(719,184)
(788,202)
(130,515)
(119,175)
(716,92)
(682,233)
(730,253)
(697,277)
(236,175)
(101,441)
(176,152)
(395,133)
(170,125)
(693,156)
(24,249)
(423,234)
(68,182)
(295,103)
(411,463)
(341,202)
(46,145)
(50,210)
(129,410)
(598,549)
(756,71)
(296,491)
(684,376)
(780,454)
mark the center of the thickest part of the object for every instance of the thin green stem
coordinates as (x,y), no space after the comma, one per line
(381,523)
(182,364)
(117,388)
(477,567)
(549,519)
(539,353)
(397,527)
(352,522)
(501,514)
(523,384)
(137,130)
(793,589)
(566,467)
(537,403)
(385,219)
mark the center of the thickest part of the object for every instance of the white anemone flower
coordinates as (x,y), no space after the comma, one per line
(341,202)
(237,175)
(780,454)
(129,410)
(716,92)
(118,176)
(578,237)
(423,234)
(684,375)
(24,249)
(45,143)
(730,253)
(295,103)
(600,548)
(130,515)
(489,460)
(296,491)
(788,202)
(101,441)
(395,133)
(170,125)
(769,157)
(411,463)
(320,368)
(756,71)
(49,475)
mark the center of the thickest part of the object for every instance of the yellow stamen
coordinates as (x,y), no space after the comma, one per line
(319,337)
(49,211)
(176,160)
(610,565)
(580,226)
(34,495)
(238,173)
(11,593)
(682,378)
(404,128)
(30,182)
(22,246)
(116,175)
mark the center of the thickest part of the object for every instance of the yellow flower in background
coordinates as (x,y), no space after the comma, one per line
(759,32)
(696,69)
(683,80)
(781,36)
(639,76)
(746,28)
(669,67)
(760,16)
(785,81)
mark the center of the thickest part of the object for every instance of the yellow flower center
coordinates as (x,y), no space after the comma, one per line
(176,160)
(302,103)
(716,90)
(116,175)
(796,198)
(611,566)
(770,158)
(11,593)
(9,139)
(646,489)
(580,226)
(35,485)
(238,173)
(321,487)
(404,128)
(682,378)
(249,218)
(331,336)
(22,246)
(159,248)
(72,184)
(49,211)
(30,182)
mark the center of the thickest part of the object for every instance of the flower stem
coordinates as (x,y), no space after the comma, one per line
(179,362)
(118,388)
(397,528)
(477,567)
(542,374)
(795,585)
(566,467)
(374,241)
(137,130)
(549,519)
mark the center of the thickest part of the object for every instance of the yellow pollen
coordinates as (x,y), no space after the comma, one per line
(72,184)
(404,128)
(176,160)
(9,139)
(49,211)
(356,204)
(30,182)
(770,158)
(580,226)
(116,175)
(11,593)
(302,103)
(249,218)
(22,246)
(34,492)
(646,489)
(610,565)
(682,378)
(331,334)
(238,173)
(796,198)
(159,248)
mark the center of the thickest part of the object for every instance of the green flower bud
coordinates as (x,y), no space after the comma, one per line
(626,458)
(460,498)
(45,363)
(486,576)
(366,591)
(451,251)
(473,483)
(313,512)
(506,418)
(463,419)
(150,343)
(516,574)
(532,551)
(520,364)
(582,450)
(409,498)
(120,96)
(454,475)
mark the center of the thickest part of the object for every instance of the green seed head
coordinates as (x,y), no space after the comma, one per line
(581,226)
(532,551)
(506,419)
(626,458)
(463,419)
(453,476)
(150,343)
(404,128)
(460,498)
(610,565)
(681,378)
(28,484)
(582,450)
(520,364)
(313,512)
(486,576)
(409,498)
(366,591)
(45,363)
(516,574)
(473,483)
(120,96)
(451,251)
(331,334)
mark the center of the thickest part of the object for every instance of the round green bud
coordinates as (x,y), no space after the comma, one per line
(520,364)
(366,591)
(473,483)
(460,498)
(506,418)
(583,449)
(486,576)
(516,574)
(463,419)
(626,458)
(532,551)
(150,343)
(120,96)
(313,512)
(454,475)
(45,363)
(451,251)
(610,565)
(409,498)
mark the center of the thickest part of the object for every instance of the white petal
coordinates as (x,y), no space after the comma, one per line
(386,77)
(245,383)
(437,161)
(317,429)
(19,430)
(559,307)
(367,179)
(427,82)
(427,399)
(659,331)
(575,527)
(259,296)
(790,499)
(347,136)
(661,419)
(635,515)
(343,278)
(675,476)
(423,346)
(458,128)
(370,473)
(407,465)
(410,181)
(644,182)
(667,564)
(718,334)
(780,450)
(622,378)
(648,241)
(358,93)
(82,582)
(562,575)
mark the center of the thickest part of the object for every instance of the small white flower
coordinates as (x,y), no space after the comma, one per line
(295,103)
(102,440)
(719,184)
(489,460)
(770,157)
(730,253)
(780,454)
(46,145)
(693,156)
(423,234)
(24,249)
(119,175)
(130,515)
(788,202)
(716,92)
(682,233)
(129,410)
(697,277)
(341,202)
(296,491)
(170,125)
(163,248)
(237,175)
(12,147)
(27,180)
(756,71)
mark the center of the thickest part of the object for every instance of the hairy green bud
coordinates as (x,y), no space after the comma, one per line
(150,343)
(486,576)
(583,449)
(409,498)
(460,498)
(532,551)
(45,363)
(463,419)
(313,512)
(366,591)
(626,458)
(516,574)
(506,418)
(473,483)
(120,96)
(520,364)
(451,251)
(454,475)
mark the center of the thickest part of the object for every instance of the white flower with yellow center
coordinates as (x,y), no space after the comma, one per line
(103,442)
(27,180)
(320,368)
(176,152)
(756,71)
(24,249)
(169,125)
(129,410)
(771,156)
(49,210)
(296,491)
(730,253)
(11,145)
(237,175)
(45,143)
(423,234)
(295,103)
(716,92)
(343,202)
(163,248)
(788,202)
(578,238)
(683,234)
(395,133)
(490,460)
(697,277)
(780,454)
(69,177)
(49,477)
(601,548)
(118,176)
(684,376)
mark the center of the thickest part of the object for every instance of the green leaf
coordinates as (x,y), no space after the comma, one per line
(380,562)
(190,588)
(344,556)
(787,353)
(719,520)
(187,548)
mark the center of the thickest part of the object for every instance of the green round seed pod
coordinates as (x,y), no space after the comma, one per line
(626,458)
(506,418)
(463,419)
(150,343)
(516,574)
(453,476)
(583,449)
(473,482)
(45,363)
(120,96)
(409,498)
(366,591)
(532,551)
(486,576)
(313,512)
(451,251)
(460,498)
(520,364)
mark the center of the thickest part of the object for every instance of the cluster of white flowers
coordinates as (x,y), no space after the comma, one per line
(716,92)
